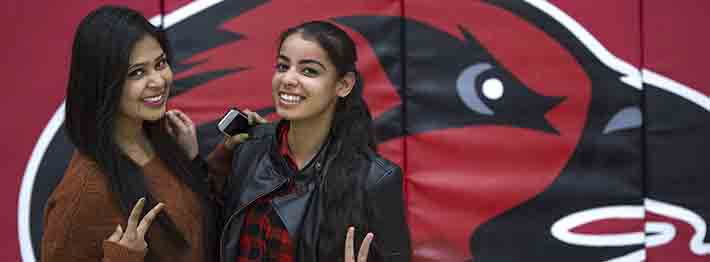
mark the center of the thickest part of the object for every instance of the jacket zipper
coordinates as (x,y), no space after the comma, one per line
(221,237)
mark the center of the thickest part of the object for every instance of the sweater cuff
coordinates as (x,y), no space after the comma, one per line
(113,252)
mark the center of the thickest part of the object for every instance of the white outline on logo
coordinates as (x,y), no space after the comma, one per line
(655,233)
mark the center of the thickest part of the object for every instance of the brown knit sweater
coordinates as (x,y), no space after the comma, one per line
(82,212)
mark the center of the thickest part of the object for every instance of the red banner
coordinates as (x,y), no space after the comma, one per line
(527,130)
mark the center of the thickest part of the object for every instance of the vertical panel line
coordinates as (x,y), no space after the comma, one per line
(644,118)
(404,97)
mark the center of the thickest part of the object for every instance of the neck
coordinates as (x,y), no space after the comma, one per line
(132,140)
(305,138)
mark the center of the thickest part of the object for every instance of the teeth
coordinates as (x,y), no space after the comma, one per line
(290,98)
(154,98)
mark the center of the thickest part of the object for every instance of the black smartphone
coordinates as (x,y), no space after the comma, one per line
(233,122)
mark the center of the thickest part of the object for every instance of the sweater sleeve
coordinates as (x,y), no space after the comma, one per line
(219,163)
(78,217)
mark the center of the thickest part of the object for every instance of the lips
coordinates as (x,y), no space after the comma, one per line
(155,101)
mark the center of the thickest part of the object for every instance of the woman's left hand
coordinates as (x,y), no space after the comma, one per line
(350,246)
(181,127)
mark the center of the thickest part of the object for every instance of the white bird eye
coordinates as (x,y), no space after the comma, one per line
(493,88)
(468,92)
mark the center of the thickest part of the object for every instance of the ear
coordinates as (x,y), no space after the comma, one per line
(345,84)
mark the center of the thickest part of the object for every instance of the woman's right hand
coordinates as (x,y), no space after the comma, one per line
(231,141)
(134,236)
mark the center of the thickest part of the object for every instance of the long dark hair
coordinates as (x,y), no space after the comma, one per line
(353,130)
(100,59)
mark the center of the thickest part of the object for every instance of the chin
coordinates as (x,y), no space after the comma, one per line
(155,116)
(289,115)
(284,114)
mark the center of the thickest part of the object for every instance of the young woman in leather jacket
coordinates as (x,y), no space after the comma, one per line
(296,185)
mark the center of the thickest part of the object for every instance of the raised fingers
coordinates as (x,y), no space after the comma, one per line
(185,119)
(134,218)
(177,122)
(365,248)
(148,220)
(350,245)
(169,127)
(116,235)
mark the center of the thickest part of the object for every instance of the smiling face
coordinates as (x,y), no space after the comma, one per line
(147,83)
(306,84)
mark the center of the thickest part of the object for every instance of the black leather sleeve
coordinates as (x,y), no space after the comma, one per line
(387,219)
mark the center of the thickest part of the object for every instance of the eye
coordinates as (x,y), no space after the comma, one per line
(136,74)
(493,88)
(310,72)
(467,89)
(162,64)
(281,67)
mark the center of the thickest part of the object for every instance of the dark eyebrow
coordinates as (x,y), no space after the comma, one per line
(304,61)
(161,56)
(311,61)
(280,56)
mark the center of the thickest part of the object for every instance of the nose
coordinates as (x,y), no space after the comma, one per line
(156,80)
(290,78)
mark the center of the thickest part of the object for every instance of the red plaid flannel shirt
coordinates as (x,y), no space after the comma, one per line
(264,237)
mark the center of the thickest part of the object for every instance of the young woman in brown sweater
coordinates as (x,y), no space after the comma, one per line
(130,154)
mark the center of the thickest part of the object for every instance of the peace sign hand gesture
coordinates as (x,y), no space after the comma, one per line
(350,246)
(134,236)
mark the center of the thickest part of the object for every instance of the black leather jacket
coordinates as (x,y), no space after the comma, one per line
(258,169)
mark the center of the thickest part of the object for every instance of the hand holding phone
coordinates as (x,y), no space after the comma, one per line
(234,122)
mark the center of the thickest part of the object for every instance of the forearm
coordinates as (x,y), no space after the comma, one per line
(219,165)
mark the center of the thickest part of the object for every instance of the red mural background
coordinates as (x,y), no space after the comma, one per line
(593,148)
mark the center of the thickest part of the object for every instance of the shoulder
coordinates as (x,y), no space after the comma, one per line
(83,184)
(82,176)
(71,220)
(380,171)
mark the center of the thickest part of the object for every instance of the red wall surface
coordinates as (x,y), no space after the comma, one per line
(596,148)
